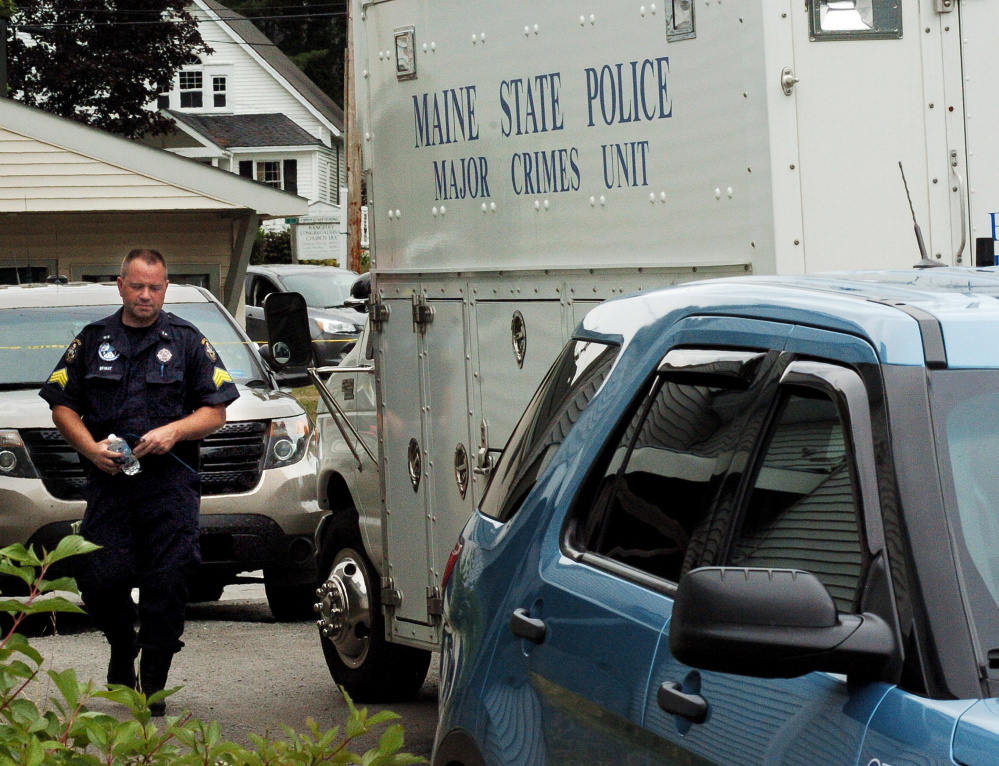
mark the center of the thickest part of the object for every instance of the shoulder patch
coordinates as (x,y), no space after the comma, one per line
(208,349)
(73,350)
(60,376)
(220,377)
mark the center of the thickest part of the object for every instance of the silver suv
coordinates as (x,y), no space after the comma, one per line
(258,508)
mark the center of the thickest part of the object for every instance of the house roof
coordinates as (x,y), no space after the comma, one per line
(51,164)
(247,130)
(262,45)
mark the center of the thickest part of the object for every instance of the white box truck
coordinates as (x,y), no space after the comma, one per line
(525,160)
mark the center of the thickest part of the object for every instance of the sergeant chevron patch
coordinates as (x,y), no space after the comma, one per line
(61,377)
(220,377)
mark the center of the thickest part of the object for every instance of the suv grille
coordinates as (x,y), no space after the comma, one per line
(231,460)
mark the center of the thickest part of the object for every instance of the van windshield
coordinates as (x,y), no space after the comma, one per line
(965,407)
(33,339)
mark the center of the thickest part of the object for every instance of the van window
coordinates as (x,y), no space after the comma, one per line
(663,475)
(802,510)
(563,395)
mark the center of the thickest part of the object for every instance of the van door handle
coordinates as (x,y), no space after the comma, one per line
(674,700)
(526,627)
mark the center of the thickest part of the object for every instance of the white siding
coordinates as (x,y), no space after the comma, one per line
(308,186)
(341,168)
(36,177)
(324,179)
(252,89)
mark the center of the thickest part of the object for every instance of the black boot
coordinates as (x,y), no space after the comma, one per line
(121,668)
(154,665)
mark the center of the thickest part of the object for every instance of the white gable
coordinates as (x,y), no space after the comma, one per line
(252,86)
(51,163)
(38,177)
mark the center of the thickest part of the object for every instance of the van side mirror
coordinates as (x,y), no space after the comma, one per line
(289,337)
(774,623)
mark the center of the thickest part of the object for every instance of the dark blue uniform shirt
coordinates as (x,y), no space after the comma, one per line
(126,382)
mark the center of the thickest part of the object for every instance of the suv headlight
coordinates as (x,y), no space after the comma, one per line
(336,327)
(14,459)
(288,441)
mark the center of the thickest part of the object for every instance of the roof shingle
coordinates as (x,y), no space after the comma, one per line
(247,130)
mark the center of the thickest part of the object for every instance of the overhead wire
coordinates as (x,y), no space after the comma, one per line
(22,6)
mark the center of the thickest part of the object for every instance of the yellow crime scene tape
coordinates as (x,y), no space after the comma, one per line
(258,344)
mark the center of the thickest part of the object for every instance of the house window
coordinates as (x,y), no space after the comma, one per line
(163,101)
(191,84)
(219,92)
(246,168)
(269,173)
(291,176)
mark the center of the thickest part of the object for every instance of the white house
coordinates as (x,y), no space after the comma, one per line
(248,109)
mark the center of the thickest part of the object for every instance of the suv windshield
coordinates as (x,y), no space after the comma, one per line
(321,291)
(966,420)
(32,339)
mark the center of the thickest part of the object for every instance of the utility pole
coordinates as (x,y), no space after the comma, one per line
(353,153)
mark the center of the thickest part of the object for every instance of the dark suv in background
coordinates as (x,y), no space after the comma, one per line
(326,289)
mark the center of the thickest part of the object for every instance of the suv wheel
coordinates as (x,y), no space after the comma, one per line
(351,625)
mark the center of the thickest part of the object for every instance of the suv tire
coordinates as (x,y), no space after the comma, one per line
(360,660)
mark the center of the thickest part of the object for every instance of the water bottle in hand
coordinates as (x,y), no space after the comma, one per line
(129,463)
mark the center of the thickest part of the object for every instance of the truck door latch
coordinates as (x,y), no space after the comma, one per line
(435,602)
(391,596)
(483,460)
(378,312)
(423,313)
(787,81)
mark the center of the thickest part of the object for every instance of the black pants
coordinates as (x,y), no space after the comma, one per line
(147,527)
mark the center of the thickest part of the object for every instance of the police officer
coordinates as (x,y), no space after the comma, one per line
(154,379)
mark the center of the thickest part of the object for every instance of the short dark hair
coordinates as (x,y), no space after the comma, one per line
(151,257)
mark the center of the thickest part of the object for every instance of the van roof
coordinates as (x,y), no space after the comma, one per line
(83,294)
(893,310)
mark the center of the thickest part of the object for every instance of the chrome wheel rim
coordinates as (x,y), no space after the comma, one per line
(344,608)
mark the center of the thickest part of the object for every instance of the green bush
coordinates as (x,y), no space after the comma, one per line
(64,731)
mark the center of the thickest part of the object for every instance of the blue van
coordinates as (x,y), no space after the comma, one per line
(743,521)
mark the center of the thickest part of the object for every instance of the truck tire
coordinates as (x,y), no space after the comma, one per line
(290,603)
(351,624)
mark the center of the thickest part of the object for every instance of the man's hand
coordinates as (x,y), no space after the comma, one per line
(196,426)
(104,458)
(71,426)
(159,441)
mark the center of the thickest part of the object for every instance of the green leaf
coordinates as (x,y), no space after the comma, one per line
(356,724)
(64,584)
(68,685)
(17,642)
(20,554)
(70,545)
(405,759)
(57,604)
(382,716)
(392,739)
(13,606)
(34,753)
